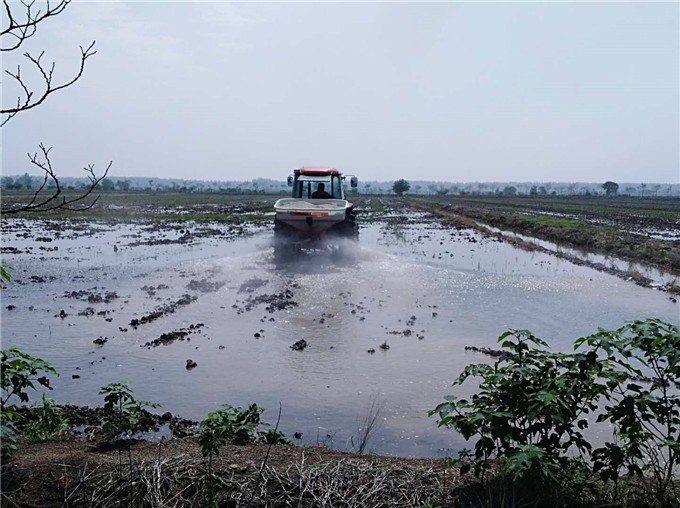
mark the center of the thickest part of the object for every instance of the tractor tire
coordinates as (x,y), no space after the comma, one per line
(285,241)
(349,227)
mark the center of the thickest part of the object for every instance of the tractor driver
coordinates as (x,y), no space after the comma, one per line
(320,192)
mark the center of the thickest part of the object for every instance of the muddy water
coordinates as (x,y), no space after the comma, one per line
(220,300)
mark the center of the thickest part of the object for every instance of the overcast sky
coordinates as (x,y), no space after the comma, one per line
(428,91)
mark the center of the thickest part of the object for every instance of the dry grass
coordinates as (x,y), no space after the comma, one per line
(179,477)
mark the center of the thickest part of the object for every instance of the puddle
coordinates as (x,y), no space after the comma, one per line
(220,301)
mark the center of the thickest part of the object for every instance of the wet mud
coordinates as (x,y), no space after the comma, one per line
(195,314)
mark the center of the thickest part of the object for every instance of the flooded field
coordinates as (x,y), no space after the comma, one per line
(144,302)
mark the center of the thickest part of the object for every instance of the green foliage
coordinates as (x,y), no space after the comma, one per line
(401,186)
(533,405)
(271,436)
(611,188)
(49,422)
(430,503)
(123,415)
(8,438)
(4,271)
(530,408)
(19,373)
(644,407)
(228,424)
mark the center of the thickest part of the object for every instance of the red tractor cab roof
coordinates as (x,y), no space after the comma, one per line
(317,171)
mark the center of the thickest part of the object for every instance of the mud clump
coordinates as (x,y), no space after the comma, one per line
(494,353)
(163,310)
(204,286)
(252,285)
(92,297)
(278,301)
(170,337)
(151,290)
(299,345)
(87,419)
(36,279)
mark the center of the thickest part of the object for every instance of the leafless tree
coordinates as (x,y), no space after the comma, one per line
(20,22)
(47,196)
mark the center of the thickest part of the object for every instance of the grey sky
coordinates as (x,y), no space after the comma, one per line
(427,91)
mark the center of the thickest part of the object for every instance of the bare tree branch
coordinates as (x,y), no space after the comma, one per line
(19,31)
(17,27)
(29,100)
(46,197)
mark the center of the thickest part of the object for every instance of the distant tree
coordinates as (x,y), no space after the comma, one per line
(509,190)
(533,191)
(7,182)
(25,181)
(123,185)
(442,191)
(401,186)
(542,190)
(610,188)
(417,188)
(107,185)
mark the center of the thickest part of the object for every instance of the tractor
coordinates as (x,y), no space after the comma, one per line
(318,213)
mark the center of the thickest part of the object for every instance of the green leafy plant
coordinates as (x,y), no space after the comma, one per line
(644,406)
(272,437)
(4,271)
(124,416)
(49,422)
(19,373)
(532,406)
(228,424)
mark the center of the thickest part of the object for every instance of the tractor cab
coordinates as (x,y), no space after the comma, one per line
(305,183)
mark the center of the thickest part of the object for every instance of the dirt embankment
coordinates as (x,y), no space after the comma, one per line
(174,473)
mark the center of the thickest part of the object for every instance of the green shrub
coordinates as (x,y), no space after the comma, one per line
(19,373)
(49,422)
(532,405)
(645,407)
(228,424)
(123,415)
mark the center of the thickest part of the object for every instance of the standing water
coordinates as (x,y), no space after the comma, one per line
(385,323)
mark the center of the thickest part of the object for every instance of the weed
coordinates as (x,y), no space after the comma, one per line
(49,422)
(532,407)
(370,422)
(228,424)
(123,415)
(20,372)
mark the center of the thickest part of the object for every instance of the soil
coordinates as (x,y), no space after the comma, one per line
(77,473)
(82,473)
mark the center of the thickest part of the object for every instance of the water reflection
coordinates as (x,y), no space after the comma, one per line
(426,290)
